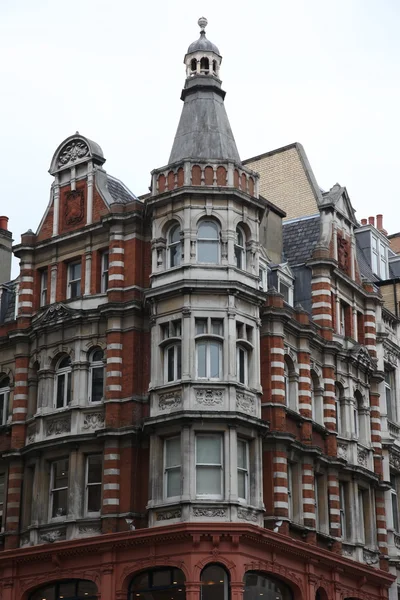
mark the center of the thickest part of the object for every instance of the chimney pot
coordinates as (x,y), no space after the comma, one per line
(379,222)
(364,221)
(371,221)
(3,223)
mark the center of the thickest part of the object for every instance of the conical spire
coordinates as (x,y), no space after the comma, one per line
(204,132)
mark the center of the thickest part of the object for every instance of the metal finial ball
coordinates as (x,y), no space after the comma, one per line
(202,23)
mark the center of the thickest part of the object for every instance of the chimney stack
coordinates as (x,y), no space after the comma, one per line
(371,221)
(5,250)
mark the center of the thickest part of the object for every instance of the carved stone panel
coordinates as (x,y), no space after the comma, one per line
(74,207)
(209,397)
(72,152)
(247,515)
(245,403)
(209,512)
(362,457)
(169,514)
(342,451)
(58,426)
(170,400)
(92,421)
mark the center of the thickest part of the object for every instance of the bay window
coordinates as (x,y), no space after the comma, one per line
(59,488)
(209,466)
(94,470)
(209,339)
(63,383)
(243,469)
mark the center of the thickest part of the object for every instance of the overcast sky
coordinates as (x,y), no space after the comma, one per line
(321,72)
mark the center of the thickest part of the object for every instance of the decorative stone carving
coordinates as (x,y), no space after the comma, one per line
(370,558)
(72,152)
(58,426)
(245,403)
(360,357)
(74,207)
(170,400)
(342,451)
(343,253)
(52,536)
(31,433)
(89,530)
(247,515)
(93,421)
(169,514)
(362,457)
(394,460)
(209,397)
(347,550)
(25,540)
(396,539)
(56,312)
(209,512)
(390,356)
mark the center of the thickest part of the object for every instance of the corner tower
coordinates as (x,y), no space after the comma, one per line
(205,414)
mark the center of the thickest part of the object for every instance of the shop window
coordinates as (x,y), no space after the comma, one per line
(74,274)
(4,399)
(96,375)
(174,248)
(73,589)
(214,583)
(209,466)
(258,585)
(172,467)
(208,243)
(63,383)
(158,584)
(59,488)
(105,262)
(94,471)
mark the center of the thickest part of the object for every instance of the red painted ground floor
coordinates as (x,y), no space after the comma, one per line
(187,562)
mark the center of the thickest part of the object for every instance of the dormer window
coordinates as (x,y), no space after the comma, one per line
(379,260)
(285,287)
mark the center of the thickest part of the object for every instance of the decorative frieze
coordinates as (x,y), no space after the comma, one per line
(170,400)
(58,426)
(89,530)
(93,421)
(209,397)
(247,515)
(169,514)
(52,536)
(245,403)
(348,550)
(209,512)
(342,451)
(362,457)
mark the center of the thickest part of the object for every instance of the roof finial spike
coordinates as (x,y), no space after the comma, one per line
(202,23)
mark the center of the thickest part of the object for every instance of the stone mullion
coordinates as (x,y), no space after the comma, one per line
(13,506)
(308,494)
(111,485)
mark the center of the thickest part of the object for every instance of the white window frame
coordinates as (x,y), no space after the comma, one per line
(202,241)
(168,469)
(44,279)
(263,278)
(211,465)
(379,257)
(394,503)
(4,399)
(244,470)
(240,249)
(242,350)
(208,343)
(65,372)
(343,509)
(390,391)
(98,364)
(71,281)
(174,244)
(288,283)
(105,265)
(92,484)
(177,362)
(53,489)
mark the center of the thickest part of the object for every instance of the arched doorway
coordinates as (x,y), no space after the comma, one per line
(214,583)
(71,589)
(158,584)
(321,594)
(258,584)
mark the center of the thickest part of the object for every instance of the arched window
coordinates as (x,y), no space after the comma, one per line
(214,583)
(208,242)
(63,382)
(4,399)
(240,248)
(174,246)
(290,379)
(72,589)
(204,65)
(96,375)
(361,418)
(215,67)
(257,584)
(209,340)
(193,65)
(158,584)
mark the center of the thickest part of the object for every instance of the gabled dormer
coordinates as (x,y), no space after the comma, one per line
(375,246)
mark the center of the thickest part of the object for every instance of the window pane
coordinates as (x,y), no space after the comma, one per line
(179,362)
(241,484)
(173,452)
(201,326)
(60,473)
(174,482)
(238,257)
(3,399)
(75,289)
(284,290)
(60,390)
(94,498)
(208,480)
(201,359)
(214,359)
(97,355)
(214,583)
(60,503)
(97,384)
(75,271)
(171,362)
(175,255)
(86,588)
(395,511)
(95,468)
(162,578)
(242,454)
(217,326)
(67,589)
(208,230)
(242,356)
(68,388)
(208,252)
(49,593)
(208,449)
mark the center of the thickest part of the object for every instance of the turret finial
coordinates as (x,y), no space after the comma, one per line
(202,23)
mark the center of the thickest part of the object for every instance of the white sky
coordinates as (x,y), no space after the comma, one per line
(321,72)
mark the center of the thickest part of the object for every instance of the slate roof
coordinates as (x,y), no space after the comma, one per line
(299,239)
(7,304)
(119,192)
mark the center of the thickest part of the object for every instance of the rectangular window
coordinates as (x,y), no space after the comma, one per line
(209,466)
(94,470)
(294,491)
(344,509)
(242,365)
(2,498)
(209,358)
(361,515)
(390,392)
(4,398)
(172,469)
(171,329)
(395,504)
(173,362)
(43,287)
(74,280)
(243,469)
(104,271)
(286,289)
(59,488)
(321,503)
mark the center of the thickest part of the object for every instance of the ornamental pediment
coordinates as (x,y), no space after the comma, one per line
(360,356)
(55,313)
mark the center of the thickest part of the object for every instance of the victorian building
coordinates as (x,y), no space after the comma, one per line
(194,383)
